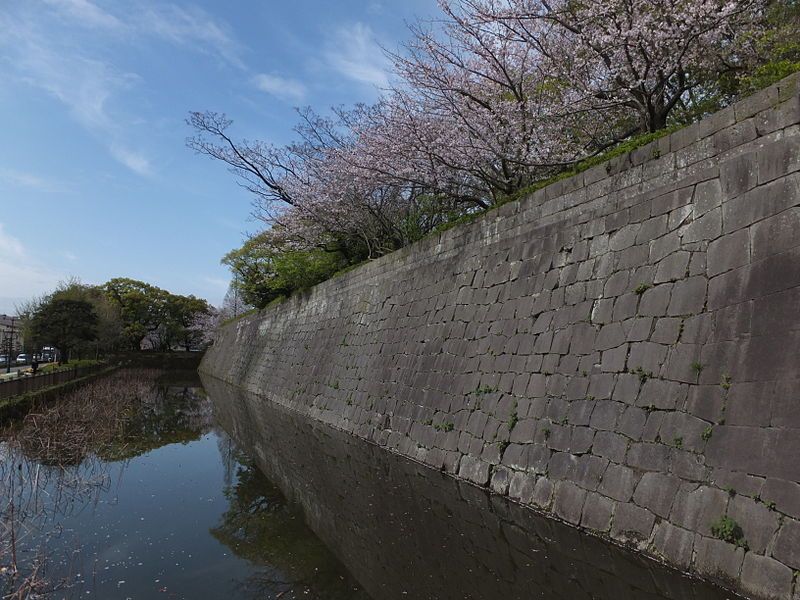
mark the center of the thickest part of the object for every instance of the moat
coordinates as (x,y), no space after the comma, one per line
(207,492)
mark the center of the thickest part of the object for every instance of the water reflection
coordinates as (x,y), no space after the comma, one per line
(129,489)
(405,531)
(262,527)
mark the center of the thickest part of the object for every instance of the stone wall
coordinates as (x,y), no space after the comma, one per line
(619,350)
(384,517)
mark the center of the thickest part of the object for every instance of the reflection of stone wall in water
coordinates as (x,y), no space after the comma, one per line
(618,349)
(405,531)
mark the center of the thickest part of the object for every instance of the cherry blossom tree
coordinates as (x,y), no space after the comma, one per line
(493,96)
(643,55)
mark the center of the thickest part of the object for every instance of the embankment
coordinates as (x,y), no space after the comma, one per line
(619,350)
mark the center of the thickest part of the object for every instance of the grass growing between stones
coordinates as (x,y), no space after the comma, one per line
(728,530)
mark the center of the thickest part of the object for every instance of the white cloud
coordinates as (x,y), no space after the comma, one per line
(354,53)
(135,161)
(22,276)
(84,85)
(283,88)
(39,47)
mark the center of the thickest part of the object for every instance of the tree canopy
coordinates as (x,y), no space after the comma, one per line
(122,314)
(66,323)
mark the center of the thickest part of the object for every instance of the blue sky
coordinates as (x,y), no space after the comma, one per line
(95,178)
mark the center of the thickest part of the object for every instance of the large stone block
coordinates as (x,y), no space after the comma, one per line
(569,500)
(787,544)
(766,577)
(632,524)
(776,234)
(688,297)
(739,174)
(728,252)
(656,492)
(718,560)
(674,544)
(474,470)
(784,494)
(597,513)
(619,482)
(758,522)
(779,158)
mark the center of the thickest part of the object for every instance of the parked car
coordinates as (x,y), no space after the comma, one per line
(3,360)
(22,359)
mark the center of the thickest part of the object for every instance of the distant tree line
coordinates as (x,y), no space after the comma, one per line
(490,98)
(86,321)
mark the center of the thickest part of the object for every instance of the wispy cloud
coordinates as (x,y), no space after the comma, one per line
(84,85)
(354,53)
(190,26)
(38,46)
(86,13)
(135,161)
(24,179)
(283,88)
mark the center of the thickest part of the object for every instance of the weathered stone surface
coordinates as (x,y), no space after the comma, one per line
(673,267)
(697,507)
(688,296)
(766,577)
(674,544)
(707,196)
(610,445)
(656,492)
(717,559)
(728,252)
(597,512)
(569,499)
(760,523)
(787,545)
(784,494)
(521,487)
(776,234)
(619,482)
(474,470)
(632,523)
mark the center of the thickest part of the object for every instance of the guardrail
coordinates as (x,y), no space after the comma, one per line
(31,383)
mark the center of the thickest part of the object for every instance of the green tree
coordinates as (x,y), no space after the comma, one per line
(64,323)
(182,323)
(264,269)
(109,322)
(142,308)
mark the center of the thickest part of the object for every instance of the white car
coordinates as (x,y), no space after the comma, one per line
(22,359)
